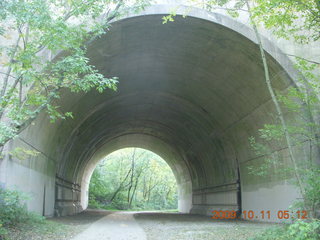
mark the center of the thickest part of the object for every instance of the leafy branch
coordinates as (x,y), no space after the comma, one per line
(33,79)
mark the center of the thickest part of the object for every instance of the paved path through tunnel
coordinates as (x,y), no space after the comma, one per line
(156,225)
(116,226)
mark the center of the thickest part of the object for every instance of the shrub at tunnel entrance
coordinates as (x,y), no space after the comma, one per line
(133,179)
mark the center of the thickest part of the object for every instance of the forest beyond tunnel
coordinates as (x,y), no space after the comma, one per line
(133,179)
(192,91)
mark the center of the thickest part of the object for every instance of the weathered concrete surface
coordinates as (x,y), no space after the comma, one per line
(192,91)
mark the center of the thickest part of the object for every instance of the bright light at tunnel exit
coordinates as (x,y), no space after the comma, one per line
(133,179)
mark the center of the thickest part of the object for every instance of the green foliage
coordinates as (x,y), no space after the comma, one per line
(290,19)
(302,103)
(276,233)
(299,230)
(13,211)
(169,18)
(133,179)
(302,230)
(36,31)
(12,208)
(3,231)
(310,174)
(271,132)
(269,160)
(6,131)
(22,153)
(296,19)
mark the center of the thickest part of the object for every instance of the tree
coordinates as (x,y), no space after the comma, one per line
(298,20)
(44,51)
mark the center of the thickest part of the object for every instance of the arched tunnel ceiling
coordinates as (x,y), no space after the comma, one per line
(195,85)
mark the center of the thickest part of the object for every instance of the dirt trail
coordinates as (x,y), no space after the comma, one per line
(116,226)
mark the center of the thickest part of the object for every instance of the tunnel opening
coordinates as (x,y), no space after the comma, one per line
(133,179)
(152,145)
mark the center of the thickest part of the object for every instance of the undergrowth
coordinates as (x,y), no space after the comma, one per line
(17,223)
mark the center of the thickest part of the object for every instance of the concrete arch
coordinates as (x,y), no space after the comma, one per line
(192,91)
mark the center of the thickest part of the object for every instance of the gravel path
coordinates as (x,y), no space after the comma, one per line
(176,226)
(116,226)
(110,225)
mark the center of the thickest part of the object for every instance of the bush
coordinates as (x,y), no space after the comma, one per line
(299,230)
(13,211)
(93,203)
(302,230)
(3,231)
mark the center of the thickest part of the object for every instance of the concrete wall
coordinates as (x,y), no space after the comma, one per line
(35,176)
(192,91)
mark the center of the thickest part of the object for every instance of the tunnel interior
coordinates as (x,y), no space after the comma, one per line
(192,91)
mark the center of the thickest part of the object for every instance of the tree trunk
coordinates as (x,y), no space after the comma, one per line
(276,103)
(8,72)
(132,174)
(133,192)
(120,186)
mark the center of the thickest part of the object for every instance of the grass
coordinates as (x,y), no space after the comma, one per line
(45,230)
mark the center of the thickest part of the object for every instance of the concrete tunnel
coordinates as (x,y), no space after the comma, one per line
(192,91)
